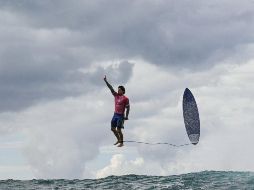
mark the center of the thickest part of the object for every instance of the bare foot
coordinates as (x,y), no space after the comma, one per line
(116,142)
(120,145)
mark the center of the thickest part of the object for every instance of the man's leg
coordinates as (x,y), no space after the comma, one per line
(113,129)
(116,134)
(119,131)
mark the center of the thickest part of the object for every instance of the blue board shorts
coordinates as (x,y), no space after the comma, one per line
(117,121)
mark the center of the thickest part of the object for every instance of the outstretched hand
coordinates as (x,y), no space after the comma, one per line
(105,78)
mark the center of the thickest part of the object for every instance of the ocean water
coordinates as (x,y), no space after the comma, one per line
(202,180)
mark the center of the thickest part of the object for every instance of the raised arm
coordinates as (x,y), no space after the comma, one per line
(109,85)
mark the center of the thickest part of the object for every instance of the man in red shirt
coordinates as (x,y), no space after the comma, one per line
(121,102)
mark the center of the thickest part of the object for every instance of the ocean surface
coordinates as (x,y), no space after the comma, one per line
(202,180)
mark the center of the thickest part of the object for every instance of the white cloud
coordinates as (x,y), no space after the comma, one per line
(119,165)
(224,99)
(63,136)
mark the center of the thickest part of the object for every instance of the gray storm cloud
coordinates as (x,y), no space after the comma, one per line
(162,32)
(44,44)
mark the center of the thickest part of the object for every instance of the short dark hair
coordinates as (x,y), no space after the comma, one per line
(122,88)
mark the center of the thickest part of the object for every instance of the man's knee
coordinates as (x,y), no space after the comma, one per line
(119,130)
(113,129)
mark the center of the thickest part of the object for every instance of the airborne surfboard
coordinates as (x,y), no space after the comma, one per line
(191,121)
(191,116)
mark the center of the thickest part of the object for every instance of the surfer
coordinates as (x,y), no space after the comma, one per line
(121,102)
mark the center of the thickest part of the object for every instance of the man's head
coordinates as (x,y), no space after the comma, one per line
(121,90)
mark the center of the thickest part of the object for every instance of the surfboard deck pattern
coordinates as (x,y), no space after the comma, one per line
(191,116)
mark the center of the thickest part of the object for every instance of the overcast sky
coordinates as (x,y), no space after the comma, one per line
(55,109)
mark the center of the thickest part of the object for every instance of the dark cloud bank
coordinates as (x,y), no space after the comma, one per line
(45,44)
